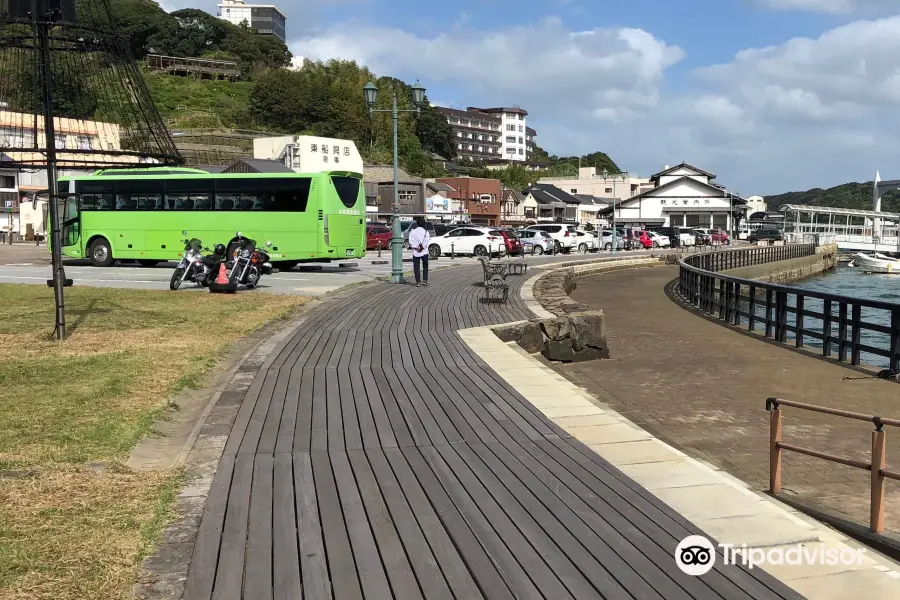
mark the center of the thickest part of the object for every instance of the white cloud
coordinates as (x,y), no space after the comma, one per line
(545,65)
(809,112)
(832,6)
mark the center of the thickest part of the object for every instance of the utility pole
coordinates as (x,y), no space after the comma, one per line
(43,19)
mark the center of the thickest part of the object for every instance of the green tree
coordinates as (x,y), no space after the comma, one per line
(435,133)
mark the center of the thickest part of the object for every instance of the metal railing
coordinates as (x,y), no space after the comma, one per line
(877,466)
(811,317)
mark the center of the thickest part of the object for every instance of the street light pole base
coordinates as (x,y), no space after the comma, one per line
(398,278)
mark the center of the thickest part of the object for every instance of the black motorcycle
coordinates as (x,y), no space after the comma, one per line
(195,266)
(248,263)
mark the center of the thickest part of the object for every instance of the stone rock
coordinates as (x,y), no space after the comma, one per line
(511,333)
(532,338)
(594,324)
(555,329)
(562,351)
(527,335)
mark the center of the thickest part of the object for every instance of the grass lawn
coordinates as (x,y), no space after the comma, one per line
(74,522)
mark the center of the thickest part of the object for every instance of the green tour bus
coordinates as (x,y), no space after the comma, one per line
(139,214)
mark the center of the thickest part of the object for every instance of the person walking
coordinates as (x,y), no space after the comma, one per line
(418,241)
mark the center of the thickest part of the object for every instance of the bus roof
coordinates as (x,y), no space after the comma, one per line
(167,172)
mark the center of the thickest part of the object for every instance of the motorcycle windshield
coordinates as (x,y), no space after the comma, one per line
(195,244)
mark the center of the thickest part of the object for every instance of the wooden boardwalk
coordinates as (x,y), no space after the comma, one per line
(376,457)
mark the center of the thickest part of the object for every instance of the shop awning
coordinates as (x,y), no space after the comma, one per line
(630,221)
(699,209)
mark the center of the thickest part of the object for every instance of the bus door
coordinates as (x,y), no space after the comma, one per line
(70,220)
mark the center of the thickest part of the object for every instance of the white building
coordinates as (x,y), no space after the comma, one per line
(267,19)
(9,200)
(310,154)
(683,196)
(756,204)
(496,135)
(590,183)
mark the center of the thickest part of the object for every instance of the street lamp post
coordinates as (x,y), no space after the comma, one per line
(371,93)
(615,239)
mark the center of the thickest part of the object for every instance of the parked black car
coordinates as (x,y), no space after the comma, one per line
(773,235)
(703,238)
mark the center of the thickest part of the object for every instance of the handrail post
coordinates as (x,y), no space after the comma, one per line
(842,331)
(799,321)
(774,450)
(736,310)
(855,335)
(751,325)
(781,316)
(876,521)
(722,302)
(895,340)
(826,328)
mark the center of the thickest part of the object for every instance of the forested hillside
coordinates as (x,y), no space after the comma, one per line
(321,98)
(847,195)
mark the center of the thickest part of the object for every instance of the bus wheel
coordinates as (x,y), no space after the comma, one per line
(100,253)
(148,263)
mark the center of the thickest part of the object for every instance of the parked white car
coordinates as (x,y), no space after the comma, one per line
(536,242)
(561,233)
(659,241)
(585,242)
(478,241)
(687,236)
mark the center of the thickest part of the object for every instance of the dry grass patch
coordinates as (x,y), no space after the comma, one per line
(65,531)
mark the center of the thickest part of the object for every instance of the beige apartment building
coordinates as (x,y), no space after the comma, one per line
(591,183)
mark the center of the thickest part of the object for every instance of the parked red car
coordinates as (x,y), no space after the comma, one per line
(378,233)
(645,240)
(513,244)
(717,236)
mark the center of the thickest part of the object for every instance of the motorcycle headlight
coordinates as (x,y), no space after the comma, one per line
(245,254)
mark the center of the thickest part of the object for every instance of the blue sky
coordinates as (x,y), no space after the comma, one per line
(771,95)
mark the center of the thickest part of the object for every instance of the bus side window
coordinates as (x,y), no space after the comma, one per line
(202,202)
(105,202)
(150,203)
(124,202)
(227,201)
(288,195)
(89,201)
(180,201)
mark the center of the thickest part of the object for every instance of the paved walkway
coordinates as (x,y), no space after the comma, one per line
(376,456)
(702,387)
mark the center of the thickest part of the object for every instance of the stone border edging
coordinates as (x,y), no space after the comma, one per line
(547,294)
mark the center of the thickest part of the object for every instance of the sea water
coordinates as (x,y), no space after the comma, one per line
(847,281)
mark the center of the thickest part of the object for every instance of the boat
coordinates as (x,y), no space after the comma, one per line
(878,263)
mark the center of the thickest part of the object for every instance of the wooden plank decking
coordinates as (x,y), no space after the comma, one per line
(376,457)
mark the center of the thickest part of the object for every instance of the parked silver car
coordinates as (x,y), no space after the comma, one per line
(537,242)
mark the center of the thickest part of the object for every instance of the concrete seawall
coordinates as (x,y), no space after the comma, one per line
(789,271)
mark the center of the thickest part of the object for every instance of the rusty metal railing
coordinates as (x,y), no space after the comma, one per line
(877,466)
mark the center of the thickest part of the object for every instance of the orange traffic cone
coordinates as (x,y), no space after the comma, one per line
(222,278)
(221,285)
